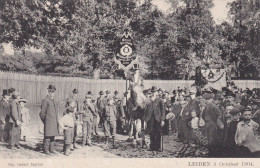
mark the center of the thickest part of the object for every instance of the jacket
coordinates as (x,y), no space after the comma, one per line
(110,112)
(89,111)
(4,111)
(15,112)
(49,117)
(155,107)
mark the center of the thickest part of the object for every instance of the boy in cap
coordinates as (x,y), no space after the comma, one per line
(15,120)
(49,117)
(25,119)
(4,116)
(109,114)
(247,135)
(89,111)
(67,124)
(76,115)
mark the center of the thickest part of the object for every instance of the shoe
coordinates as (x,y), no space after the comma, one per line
(11,147)
(18,147)
(47,153)
(75,146)
(89,144)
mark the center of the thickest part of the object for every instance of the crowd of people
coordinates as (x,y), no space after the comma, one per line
(226,122)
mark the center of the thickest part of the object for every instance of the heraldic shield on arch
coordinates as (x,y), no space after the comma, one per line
(125,56)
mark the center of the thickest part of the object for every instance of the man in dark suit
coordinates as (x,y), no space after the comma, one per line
(154,117)
(49,117)
(15,121)
(4,116)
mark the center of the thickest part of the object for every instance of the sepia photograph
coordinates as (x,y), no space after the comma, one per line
(121,79)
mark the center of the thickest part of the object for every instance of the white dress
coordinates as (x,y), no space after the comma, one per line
(25,122)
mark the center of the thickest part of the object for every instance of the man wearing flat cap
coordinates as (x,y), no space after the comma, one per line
(109,114)
(155,117)
(76,116)
(89,112)
(49,117)
(4,116)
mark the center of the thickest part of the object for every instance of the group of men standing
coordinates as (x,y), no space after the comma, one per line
(10,118)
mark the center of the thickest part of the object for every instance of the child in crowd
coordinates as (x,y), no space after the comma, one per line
(25,120)
(247,135)
(67,124)
(195,128)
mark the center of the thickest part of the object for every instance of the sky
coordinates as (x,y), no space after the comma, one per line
(219,13)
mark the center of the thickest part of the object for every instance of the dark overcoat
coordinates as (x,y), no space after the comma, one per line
(15,112)
(49,117)
(4,111)
(155,107)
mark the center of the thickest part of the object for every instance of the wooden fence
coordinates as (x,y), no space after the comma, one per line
(34,87)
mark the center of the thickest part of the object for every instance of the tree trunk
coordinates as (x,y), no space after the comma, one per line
(96,73)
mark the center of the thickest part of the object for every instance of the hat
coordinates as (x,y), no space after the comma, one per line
(230,93)
(70,100)
(125,94)
(238,109)
(247,109)
(170,116)
(154,89)
(52,88)
(6,92)
(11,90)
(116,92)
(207,96)
(174,91)
(164,96)
(108,92)
(75,91)
(101,93)
(136,67)
(22,100)
(160,89)
(88,95)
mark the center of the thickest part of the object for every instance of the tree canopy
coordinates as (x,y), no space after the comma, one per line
(80,37)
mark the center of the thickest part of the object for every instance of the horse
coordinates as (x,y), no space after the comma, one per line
(136,107)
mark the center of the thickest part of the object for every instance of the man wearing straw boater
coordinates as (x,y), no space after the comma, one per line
(49,117)
(154,117)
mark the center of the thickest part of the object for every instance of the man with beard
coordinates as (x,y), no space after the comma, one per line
(154,117)
(49,117)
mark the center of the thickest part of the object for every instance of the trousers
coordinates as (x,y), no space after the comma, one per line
(95,124)
(86,131)
(110,128)
(155,134)
(49,143)
(15,134)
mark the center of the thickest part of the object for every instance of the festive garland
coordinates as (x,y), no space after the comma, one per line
(217,79)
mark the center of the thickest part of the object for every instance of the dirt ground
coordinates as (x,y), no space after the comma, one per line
(33,149)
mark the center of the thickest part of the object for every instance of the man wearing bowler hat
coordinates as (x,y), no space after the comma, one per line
(4,116)
(101,103)
(154,117)
(49,117)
